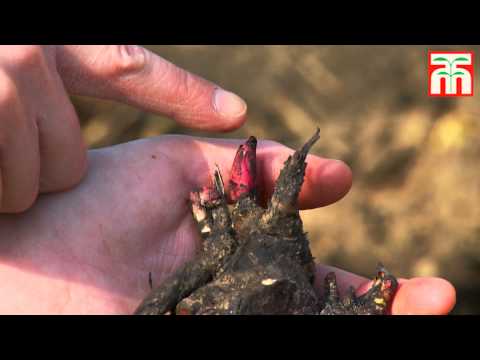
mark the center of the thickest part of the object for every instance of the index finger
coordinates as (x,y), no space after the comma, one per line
(134,75)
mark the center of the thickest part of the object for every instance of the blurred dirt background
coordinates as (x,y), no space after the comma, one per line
(415,200)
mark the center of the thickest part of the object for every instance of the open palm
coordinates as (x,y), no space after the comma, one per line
(91,249)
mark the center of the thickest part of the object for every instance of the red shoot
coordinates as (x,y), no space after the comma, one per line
(243,175)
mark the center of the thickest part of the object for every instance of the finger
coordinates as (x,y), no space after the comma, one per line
(60,143)
(421,296)
(62,149)
(19,154)
(417,296)
(326,180)
(424,296)
(136,76)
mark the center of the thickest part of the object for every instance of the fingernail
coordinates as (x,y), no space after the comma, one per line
(228,104)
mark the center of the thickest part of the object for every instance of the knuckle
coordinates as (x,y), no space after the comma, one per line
(64,173)
(27,201)
(22,56)
(14,203)
(10,113)
(79,163)
(78,171)
(8,90)
(125,60)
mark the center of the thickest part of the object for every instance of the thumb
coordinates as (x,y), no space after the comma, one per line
(133,75)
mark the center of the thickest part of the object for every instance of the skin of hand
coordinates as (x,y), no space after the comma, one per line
(41,146)
(90,250)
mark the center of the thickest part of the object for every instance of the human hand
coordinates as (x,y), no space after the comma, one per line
(90,250)
(40,139)
(415,296)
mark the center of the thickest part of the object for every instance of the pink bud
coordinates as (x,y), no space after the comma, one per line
(243,174)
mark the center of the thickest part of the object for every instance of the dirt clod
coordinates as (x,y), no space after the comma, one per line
(255,260)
